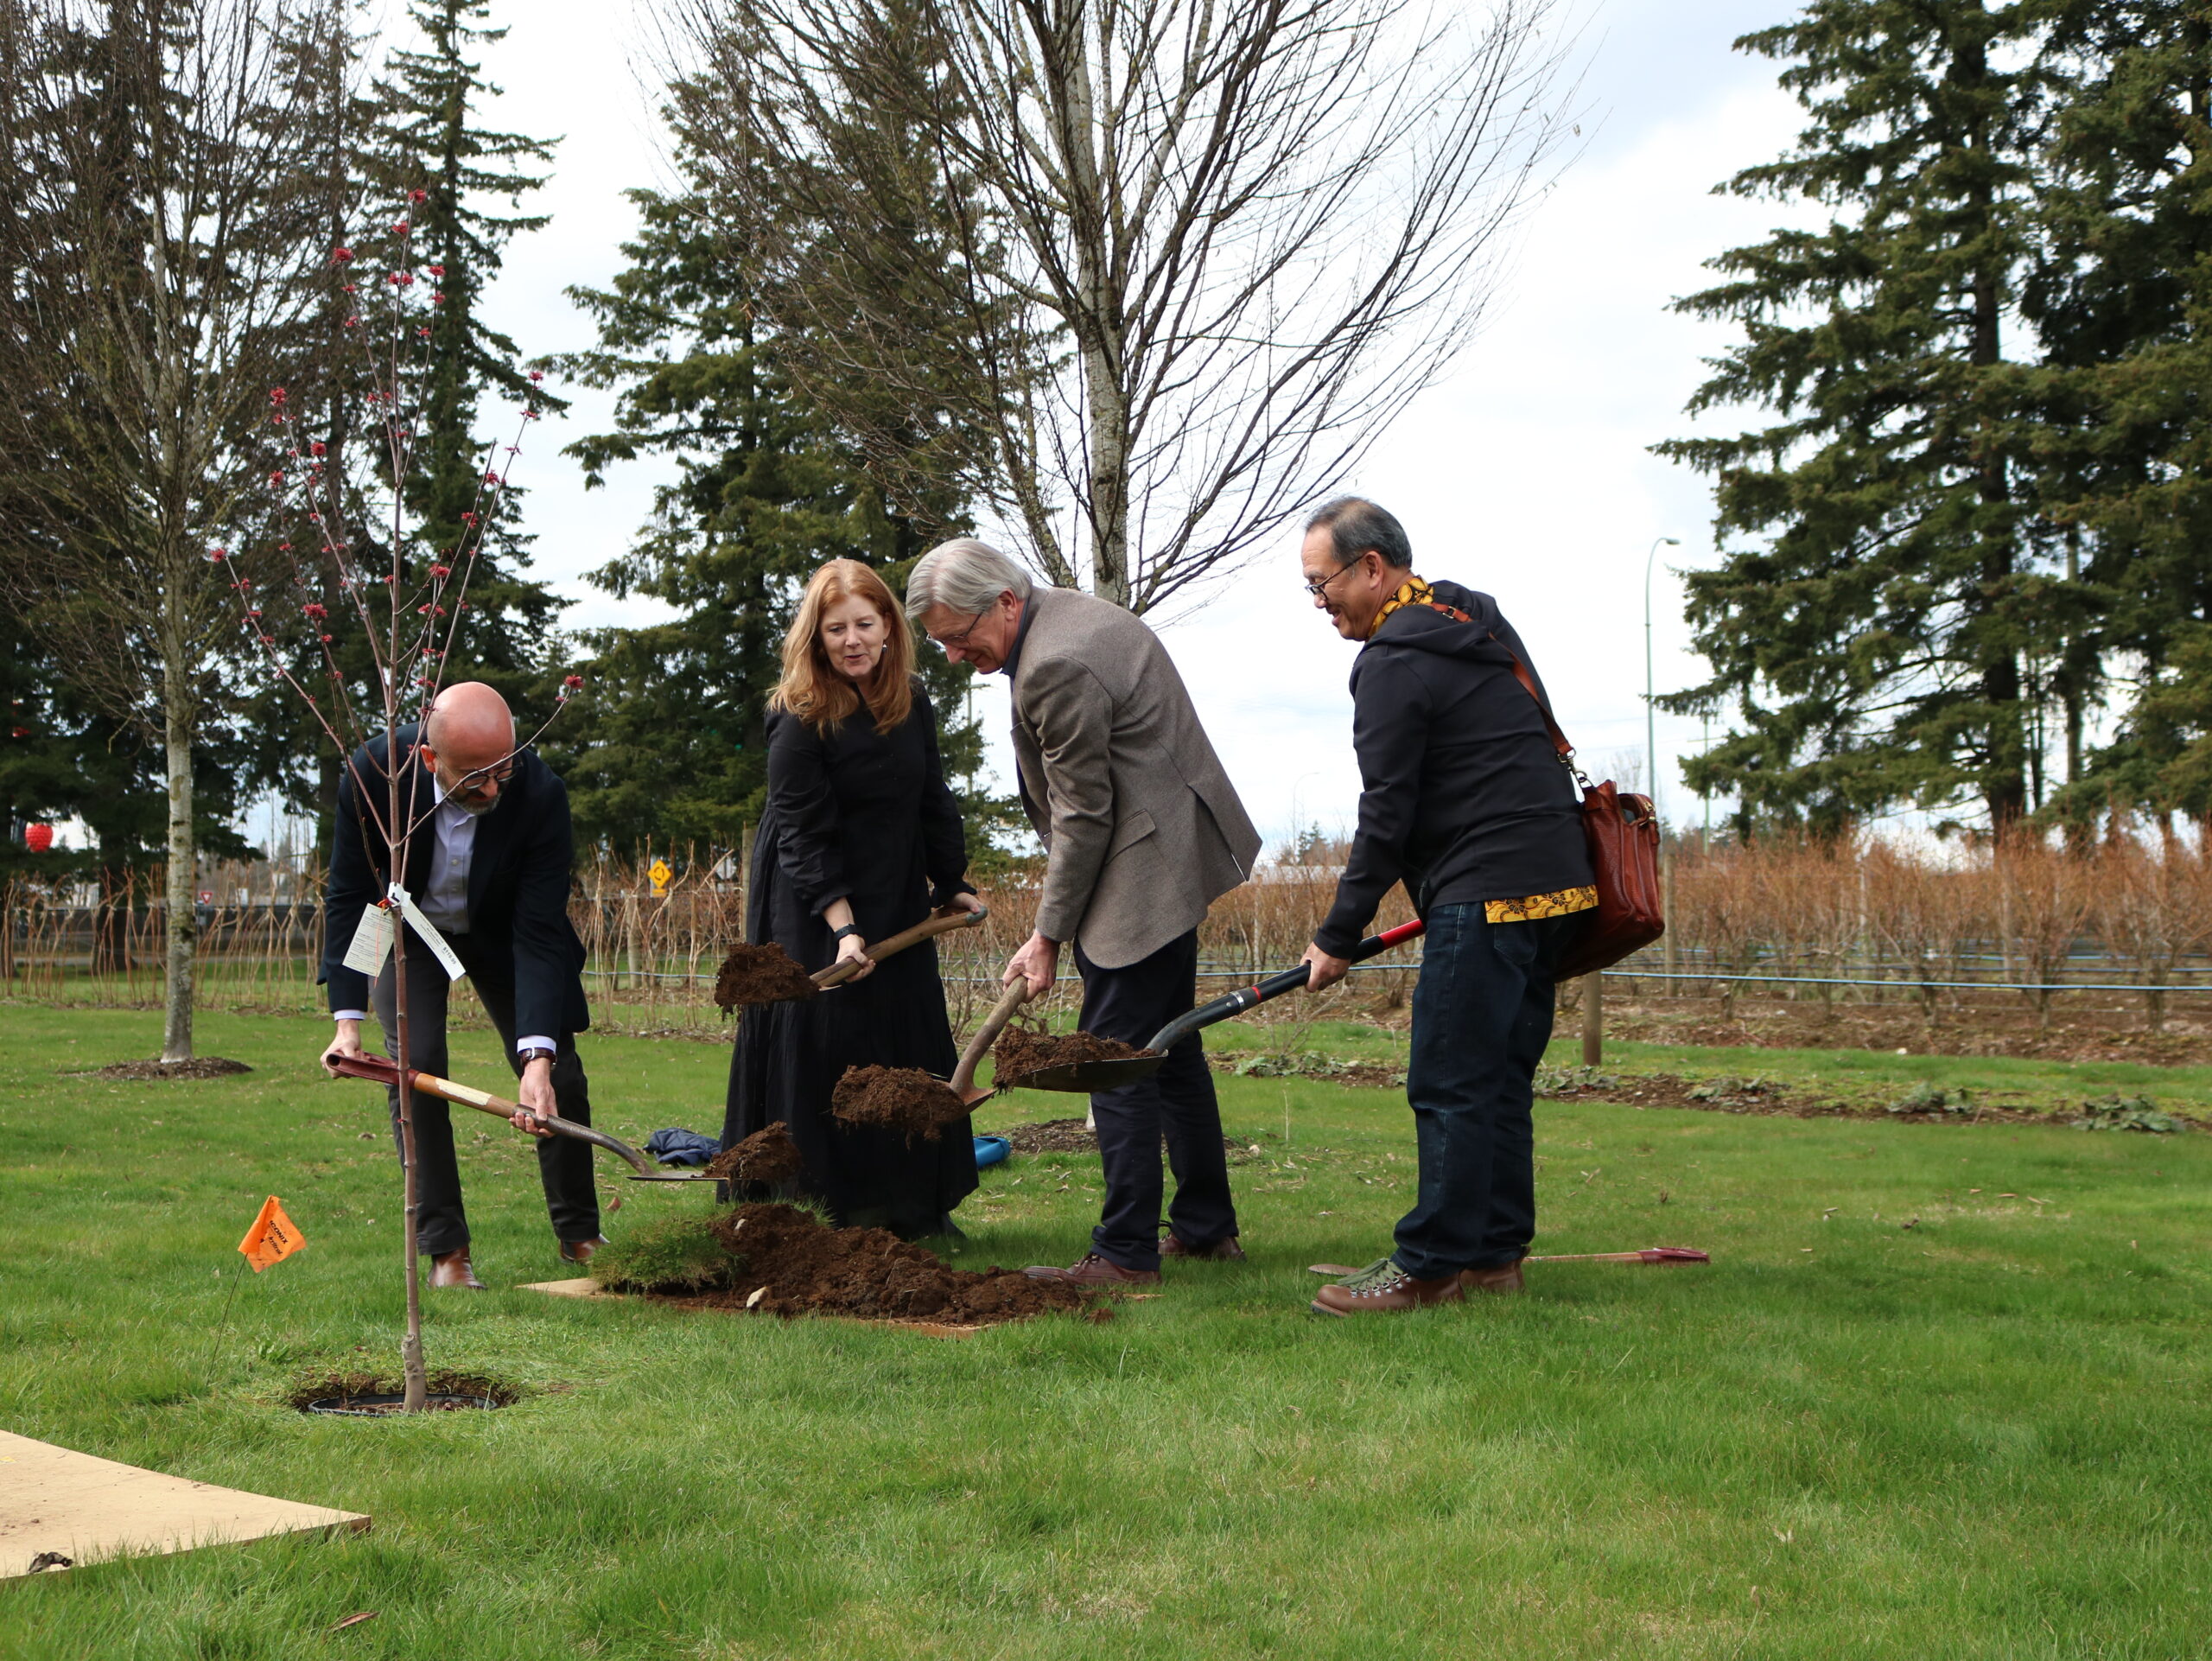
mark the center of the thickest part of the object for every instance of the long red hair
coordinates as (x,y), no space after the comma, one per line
(816,693)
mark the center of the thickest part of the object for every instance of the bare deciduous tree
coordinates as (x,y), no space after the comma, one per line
(158,237)
(1203,254)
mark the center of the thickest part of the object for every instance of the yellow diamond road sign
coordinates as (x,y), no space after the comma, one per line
(660,874)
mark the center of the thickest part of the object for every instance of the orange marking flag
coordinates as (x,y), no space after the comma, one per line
(273,1237)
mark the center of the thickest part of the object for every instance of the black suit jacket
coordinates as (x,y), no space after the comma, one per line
(518,927)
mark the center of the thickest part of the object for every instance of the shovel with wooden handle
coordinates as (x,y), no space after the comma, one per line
(963,1076)
(929,928)
(383,1070)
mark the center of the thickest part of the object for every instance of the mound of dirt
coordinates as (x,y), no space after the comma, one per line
(768,1154)
(896,1098)
(1018,1054)
(200,1066)
(759,974)
(787,1262)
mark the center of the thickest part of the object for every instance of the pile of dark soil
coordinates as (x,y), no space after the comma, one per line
(200,1066)
(787,1262)
(759,974)
(768,1154)
(347,1387)
(897,1099)
(1018,1054)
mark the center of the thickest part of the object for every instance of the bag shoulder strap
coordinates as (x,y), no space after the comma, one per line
(1529,685)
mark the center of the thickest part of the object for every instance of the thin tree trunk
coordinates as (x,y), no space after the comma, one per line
(183,920)
(414,1391)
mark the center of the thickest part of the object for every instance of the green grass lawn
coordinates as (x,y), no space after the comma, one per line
(1985,1433)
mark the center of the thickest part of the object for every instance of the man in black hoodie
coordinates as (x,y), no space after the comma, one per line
(1466,801)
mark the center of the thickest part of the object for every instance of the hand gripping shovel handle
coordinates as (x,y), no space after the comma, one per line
(928,929)
(383,1071)
(1235,1003)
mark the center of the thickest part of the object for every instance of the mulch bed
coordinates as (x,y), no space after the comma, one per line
(200,1066)
(788,1261)
(1975,1029)
(768,1154)
(346,1387)
(760,974)
(1069,1137)
(897,1099)
(1763,1097)
(1017,1054)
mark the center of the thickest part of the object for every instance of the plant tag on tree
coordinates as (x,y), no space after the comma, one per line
(371,942)
(423,926)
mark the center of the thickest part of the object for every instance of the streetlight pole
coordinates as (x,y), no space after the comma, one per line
(1650,685)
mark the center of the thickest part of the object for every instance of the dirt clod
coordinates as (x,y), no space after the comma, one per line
(200,1066)
(759,974)
(1018,1054)
(896,1098)
(768,1154)
(787,1262)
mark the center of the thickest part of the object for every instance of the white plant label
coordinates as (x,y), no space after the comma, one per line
(423,926)
(371,942)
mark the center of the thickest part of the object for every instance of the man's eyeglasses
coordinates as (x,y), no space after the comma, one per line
(469,783)
(950,641)
(1318,588)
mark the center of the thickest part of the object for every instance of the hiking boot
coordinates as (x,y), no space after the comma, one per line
(1223,1250)
(1382,1288)
(1091,1270)
(1506,1277)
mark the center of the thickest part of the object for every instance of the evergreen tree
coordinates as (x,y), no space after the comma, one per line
(1879,640)
(669,746)
(2123,296)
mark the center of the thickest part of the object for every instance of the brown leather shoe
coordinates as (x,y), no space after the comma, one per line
(1091,1270)
(451,1268)
(579,1252)
(1223,1250)
(1504,1279)
(1382,1288)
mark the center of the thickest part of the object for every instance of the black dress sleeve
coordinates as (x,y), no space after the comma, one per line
(944,841)
(807,842)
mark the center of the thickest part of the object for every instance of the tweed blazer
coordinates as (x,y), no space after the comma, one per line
(1140,825)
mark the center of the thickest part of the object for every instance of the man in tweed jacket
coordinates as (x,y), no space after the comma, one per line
(1142,830)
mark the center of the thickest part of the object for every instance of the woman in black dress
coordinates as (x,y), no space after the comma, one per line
(861,837)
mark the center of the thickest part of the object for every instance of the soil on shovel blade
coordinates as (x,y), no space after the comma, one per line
(786,1262)
(768,1154)
(1018,1054)
(897,1099)
(759,974)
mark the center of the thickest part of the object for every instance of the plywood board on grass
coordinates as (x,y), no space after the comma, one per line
(56,1503)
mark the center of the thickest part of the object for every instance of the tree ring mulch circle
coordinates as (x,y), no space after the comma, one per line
(200,1066)
(385,1406)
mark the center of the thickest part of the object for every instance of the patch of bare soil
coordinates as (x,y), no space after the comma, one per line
(345,1388)
(1760,1097)
(897,1099)
(200,1066)
(1018,1054)
(1069,1137)
(768,1154)
(788,1261)
(759,974)
(2075,1034)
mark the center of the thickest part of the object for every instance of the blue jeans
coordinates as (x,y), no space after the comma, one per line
(1482,1016)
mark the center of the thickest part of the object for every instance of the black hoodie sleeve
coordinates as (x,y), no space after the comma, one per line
(1390,733)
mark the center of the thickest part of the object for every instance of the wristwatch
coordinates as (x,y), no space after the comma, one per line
(535,1053)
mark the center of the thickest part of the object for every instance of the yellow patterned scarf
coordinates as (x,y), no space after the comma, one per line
(1415,592)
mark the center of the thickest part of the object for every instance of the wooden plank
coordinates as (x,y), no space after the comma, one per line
(55,1500)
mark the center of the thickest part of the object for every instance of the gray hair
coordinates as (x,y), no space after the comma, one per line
(1356,525)
(964,575)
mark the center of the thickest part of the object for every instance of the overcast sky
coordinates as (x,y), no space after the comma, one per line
(1526,473)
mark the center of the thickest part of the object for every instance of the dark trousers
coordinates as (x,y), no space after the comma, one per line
(1482,1016)
(1132,1003)
(564,1164)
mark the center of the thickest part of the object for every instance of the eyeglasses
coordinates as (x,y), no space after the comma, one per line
(1319,589)
(949,642)
(470,782)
